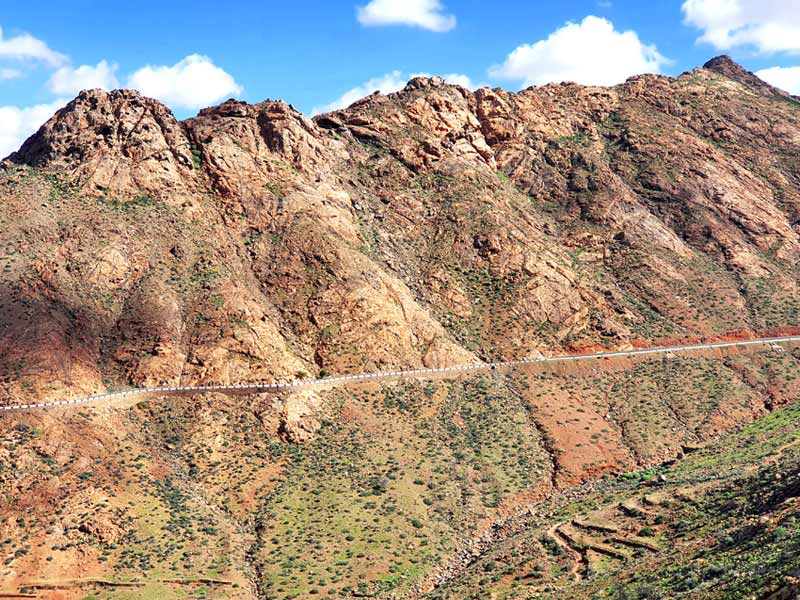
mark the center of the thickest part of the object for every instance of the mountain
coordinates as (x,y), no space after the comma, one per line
(433,226)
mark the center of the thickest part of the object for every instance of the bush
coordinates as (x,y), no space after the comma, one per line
(689,582)
(713,572)
(681,525)
(648,592)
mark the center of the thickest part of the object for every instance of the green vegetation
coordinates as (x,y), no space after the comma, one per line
(579,138)
(725,519)
(374,510)
(197,157)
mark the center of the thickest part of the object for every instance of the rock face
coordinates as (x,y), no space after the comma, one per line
(243,145)
(116,142)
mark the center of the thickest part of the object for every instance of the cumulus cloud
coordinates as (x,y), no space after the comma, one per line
(785,78)
(70,81)
(427,14)
(6,74)
(391,82)
(17,124)
(591,52)
(766,25)
(459,79)
(194,82)
(27,47)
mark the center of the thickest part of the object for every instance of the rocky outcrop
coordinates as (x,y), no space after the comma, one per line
(241,146)
(726,67)
(114,142)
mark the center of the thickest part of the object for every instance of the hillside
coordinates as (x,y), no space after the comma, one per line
(430,227)
(722,523)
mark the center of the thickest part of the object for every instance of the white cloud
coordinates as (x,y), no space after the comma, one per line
(766,25)
(459,79)
(386,84)
(6,74)
(70,81)
(17,124)
(591,52)
(785,78)
(27,47)
(391,82)
(417,13)
(194,82)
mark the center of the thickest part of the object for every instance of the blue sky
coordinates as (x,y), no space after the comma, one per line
(319,54)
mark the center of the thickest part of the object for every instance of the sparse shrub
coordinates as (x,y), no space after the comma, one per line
(688,583)
(681,525)
(648,592)
(713,572)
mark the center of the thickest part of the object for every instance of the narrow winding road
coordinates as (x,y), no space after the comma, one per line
(379,375)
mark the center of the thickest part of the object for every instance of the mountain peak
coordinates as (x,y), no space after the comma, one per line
(423,81)
(724,64)
(727,67)
(117,140)
(95,120)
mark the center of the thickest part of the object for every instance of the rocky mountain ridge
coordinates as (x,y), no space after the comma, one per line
(474,219)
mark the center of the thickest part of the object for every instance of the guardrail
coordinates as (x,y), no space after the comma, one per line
(416,373)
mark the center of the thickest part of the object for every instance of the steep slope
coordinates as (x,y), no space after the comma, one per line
(429,227)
